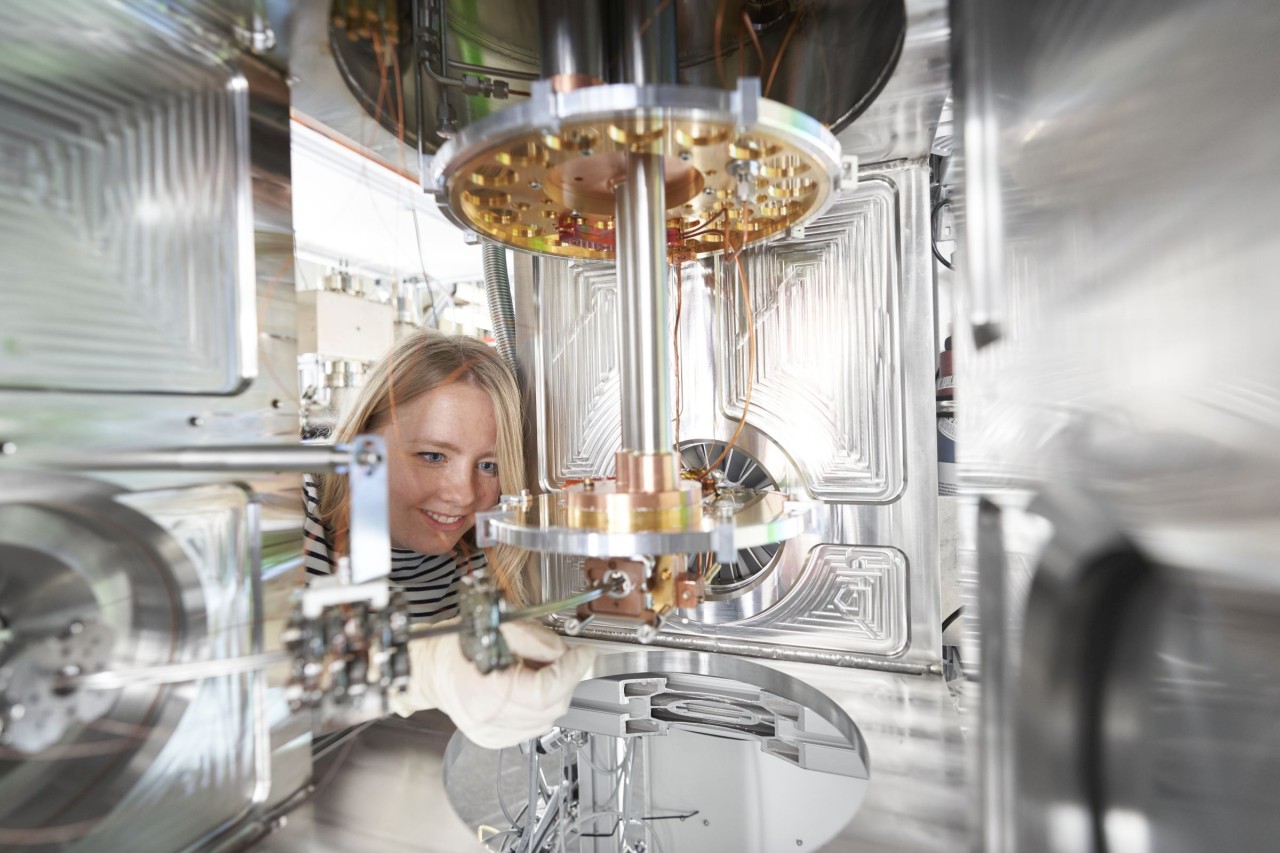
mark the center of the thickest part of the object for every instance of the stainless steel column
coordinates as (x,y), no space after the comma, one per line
(572,41)
(645,50)
(644,368)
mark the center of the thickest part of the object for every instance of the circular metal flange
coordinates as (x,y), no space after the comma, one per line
(541,525)
(540,176)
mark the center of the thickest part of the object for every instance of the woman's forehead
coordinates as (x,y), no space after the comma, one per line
(459,413)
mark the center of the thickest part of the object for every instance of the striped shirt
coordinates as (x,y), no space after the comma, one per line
(429,581)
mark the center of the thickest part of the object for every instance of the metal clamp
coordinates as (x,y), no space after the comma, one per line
(364,461)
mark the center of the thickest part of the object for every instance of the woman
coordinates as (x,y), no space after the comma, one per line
(449,412)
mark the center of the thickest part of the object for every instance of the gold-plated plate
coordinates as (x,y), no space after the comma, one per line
(547,185)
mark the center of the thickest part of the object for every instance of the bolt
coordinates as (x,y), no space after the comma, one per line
(75,628)
(709,191)
(368,458)
(588,485)
(686,156)
(277,404)
(195,421)
(646,634)
(17,712)
(706,822)
(8,448)
(534,185)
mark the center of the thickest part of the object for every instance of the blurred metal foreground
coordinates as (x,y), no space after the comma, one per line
(383,790)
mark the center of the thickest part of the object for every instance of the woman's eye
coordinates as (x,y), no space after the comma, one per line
(431,456)
(488,467)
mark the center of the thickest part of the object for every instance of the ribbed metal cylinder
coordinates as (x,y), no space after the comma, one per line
(497,290)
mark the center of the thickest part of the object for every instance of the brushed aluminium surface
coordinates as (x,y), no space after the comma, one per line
(125,219)
(860,284)
(826,382)
(264,410)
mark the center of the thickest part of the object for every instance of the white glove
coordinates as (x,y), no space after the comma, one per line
(504,707)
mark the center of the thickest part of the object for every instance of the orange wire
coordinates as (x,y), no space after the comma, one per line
(644,28)
(777,57)
(719,30)
(676,345)
(751,31)
(751,352)
(395,62)
(382,76)
(704,228)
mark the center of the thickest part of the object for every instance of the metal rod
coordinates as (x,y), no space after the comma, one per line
(537,611)
(300,459)
(490,71)
(643,305)
(571,40)
(995,712)
(442,76)
(531,810)
(172,673)
(644,43)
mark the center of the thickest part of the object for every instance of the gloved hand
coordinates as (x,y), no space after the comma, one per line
(504,707)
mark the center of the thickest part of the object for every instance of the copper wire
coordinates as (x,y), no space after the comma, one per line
(676,346)
(751,31)
(782,49)
(751,355)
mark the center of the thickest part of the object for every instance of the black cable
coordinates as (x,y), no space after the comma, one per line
(946,623)
(933,231)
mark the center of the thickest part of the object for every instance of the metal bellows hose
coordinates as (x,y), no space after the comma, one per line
(502,314)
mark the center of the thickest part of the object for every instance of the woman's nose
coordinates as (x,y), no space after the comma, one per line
(459,487)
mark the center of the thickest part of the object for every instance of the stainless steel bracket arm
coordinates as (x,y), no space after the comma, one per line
(364,461)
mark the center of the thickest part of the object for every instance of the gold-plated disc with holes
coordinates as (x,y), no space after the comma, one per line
(540,176)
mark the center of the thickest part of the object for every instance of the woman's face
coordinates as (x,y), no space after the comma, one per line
(443,466)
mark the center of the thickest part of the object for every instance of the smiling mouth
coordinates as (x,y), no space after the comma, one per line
(439,518)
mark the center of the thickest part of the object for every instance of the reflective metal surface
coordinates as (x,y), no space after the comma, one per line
(1125,365)
(902,120)
(136,200)
(917,799)
(828,58)
(843,323)
(698,753)
(543,526)
(179,205)
(164,572)
(1115,342)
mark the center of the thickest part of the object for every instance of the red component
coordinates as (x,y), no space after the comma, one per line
(600,239)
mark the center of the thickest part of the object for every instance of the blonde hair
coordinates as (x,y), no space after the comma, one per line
(422,362)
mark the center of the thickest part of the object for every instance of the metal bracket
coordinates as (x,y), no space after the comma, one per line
(746,101)
(370,534)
